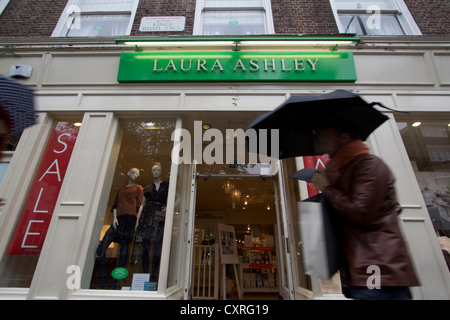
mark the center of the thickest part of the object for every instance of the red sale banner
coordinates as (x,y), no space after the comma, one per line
(315,162)
(29,236)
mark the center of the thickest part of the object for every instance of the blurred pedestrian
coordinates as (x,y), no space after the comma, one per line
(361,188)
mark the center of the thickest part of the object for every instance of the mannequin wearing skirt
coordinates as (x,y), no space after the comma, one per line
(151,217)
(126,205)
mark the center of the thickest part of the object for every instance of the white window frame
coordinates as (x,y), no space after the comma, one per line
(200,8)
(3,4)
(68,16)
(401,11)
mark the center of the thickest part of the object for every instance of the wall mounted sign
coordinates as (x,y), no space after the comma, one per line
(323,66)
(159,24)
(29,236)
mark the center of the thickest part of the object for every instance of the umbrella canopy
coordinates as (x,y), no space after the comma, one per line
(18,101)
(299,117)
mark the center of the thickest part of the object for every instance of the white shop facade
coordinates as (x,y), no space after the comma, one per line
(106,106)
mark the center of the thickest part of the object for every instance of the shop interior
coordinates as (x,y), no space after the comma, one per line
(248,205)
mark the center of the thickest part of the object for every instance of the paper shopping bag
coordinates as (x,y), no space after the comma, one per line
(319,232)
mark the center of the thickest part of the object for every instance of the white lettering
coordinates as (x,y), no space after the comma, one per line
(299,65)
(313,64)
(155,66)
(283,67)
(254,63)
(182,65)
(35,210)
(267,64)
(217,63)
(171,65)
(28,233)
(239,64)
(201,64)
(63,143)
(48,170)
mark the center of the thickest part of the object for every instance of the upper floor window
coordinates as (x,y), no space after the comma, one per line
(3,4)
(373,18)
(233,17)
(96,18)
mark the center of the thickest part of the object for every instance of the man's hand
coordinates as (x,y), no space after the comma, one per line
(320,181)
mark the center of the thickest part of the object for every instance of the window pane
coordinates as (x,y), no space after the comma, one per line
(99,26)
(364,4)
(18,264)
(233,4)
(428,148)
(233,22)
(105,5)
(369,25)
(146,143)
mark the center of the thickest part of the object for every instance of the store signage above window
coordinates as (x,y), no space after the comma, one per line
(332,66)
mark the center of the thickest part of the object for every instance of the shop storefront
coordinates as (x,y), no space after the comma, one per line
(174,110)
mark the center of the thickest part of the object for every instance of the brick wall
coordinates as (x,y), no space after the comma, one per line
(32,18)
(431,16)
(303,17)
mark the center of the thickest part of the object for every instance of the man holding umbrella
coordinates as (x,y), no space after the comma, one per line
(358,185)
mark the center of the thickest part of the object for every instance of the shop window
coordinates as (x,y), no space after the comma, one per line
(20,259)
(428,146)
(374,18)
(233,17)
(128,248)
(96,18)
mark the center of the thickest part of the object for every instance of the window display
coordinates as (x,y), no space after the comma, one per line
(126,205)
(151,216)
(427,143)
(131,237)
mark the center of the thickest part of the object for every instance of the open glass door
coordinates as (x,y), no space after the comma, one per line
(190,232)
(287,290)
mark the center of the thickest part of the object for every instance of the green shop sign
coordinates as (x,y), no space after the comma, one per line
(234,66)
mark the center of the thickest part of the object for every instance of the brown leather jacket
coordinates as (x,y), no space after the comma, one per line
(365,198)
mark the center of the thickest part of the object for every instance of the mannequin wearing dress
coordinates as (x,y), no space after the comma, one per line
(150,226)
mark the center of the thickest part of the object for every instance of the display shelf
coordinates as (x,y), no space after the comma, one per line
(258,272)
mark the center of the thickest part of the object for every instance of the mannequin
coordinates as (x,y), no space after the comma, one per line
(126,205)
(151,217)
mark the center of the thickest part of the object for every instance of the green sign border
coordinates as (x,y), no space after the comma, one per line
(237,66)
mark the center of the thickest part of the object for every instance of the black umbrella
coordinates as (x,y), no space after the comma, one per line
(18,101)
(299,117)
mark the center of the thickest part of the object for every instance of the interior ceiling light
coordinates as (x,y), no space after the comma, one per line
(416,124)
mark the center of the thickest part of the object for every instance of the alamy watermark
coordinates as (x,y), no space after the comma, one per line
(374,280)
(231,148)
(374,21)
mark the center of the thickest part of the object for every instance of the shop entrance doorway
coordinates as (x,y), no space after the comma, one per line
(246,203)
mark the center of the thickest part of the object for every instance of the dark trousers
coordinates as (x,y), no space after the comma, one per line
(157,244)
(101,257)
(384,293)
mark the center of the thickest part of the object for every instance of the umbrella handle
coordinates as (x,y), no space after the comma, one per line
(383,106)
